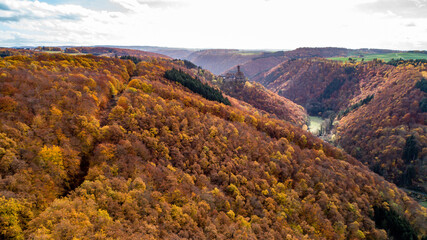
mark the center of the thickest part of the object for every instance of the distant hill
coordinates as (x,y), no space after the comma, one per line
(261,63)
(383,56)
(98,147)
(254,62)
(111,52)
(328,52)
(317,52)
(217,61)
(264,62)
(176,53)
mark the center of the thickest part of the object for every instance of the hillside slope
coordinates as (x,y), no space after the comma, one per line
(89,152)
(267,101)
(378,107)
(390,133)
(313,83)
(255,98)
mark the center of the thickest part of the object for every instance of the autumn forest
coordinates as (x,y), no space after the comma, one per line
(113,143)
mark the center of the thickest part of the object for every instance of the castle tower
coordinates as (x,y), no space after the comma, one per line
(239,77)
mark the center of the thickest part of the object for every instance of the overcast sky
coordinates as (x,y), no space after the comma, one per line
(242,24)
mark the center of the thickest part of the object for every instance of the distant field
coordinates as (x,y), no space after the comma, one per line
(386,57)
(53,52)
(248,53)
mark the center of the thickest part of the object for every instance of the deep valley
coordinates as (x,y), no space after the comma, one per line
(117,143)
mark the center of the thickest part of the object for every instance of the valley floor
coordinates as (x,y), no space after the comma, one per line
(315,124)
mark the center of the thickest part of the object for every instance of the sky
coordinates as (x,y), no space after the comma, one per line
(235,24)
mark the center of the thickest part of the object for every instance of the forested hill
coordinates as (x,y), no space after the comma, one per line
(378,107)
(267,101)
(100,148)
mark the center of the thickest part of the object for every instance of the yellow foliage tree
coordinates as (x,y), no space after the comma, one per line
(51,159)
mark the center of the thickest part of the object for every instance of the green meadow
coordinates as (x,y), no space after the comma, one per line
(385,57)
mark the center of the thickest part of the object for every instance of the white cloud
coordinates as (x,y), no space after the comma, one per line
(401,8)
(132,5)
(135,5)
(215,24)
(41,22)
